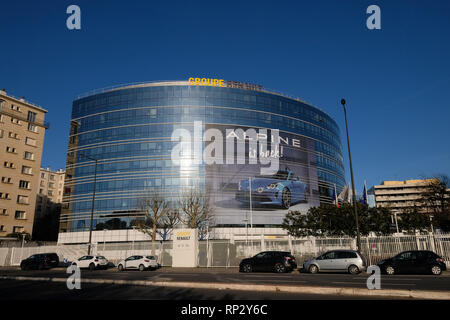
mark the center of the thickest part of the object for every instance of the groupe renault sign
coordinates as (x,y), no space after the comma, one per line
(186,235)
(223,83)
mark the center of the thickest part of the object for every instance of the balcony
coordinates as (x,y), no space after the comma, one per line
(15,115)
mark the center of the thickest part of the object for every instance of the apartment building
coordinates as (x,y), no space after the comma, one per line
(48,204)
(51,184)
(22,132)
(399,195)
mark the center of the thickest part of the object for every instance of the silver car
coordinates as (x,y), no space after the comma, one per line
(337,260)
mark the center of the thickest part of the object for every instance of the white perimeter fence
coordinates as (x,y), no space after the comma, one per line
(228,253)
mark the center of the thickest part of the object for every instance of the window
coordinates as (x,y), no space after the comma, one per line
(29,155)
(6,180)
(2,228)
(4,196)
(30,141)
(31,116)
(42,175)
(18,229)
(330,255)
(10,149)
(51,185)
(22,199)
(4,212)
(10,165)
(346,255)
(15,121)
(13,135)
(15,108)
(406,256)
(19,215)
(1,133)
(32,128)
(24,184)
(26,170)
(52,177)
(50,193)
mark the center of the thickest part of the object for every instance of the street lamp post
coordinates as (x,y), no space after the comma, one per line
(396,222)
(251,209)
(23,242)
(251,204)
(104,240)
(358,238)
(93,201)
(134,235)
(246,238)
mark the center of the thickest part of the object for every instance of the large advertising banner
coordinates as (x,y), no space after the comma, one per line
(242,189)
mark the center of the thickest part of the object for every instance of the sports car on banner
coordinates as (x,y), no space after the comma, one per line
(281,189)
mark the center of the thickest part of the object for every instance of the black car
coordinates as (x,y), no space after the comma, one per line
(419,261)
(40,261)
(278,261)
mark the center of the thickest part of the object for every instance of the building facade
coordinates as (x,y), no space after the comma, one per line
(51,184)
(22,132)
(400,195)
(127,139)
(48,204)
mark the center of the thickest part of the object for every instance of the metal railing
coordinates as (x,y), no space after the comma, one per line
(133,84)
(118,86)
(228,253)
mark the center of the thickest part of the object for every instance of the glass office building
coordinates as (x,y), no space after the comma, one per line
(123,138)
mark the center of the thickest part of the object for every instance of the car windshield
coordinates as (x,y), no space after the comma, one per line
(280,175)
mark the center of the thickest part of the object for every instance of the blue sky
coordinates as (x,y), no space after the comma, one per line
(396,80)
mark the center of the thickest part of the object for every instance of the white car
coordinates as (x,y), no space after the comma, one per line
(138,262)
(91,262)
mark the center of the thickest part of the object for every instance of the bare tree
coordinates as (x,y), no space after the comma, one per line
(435,198)
(169,222)
(196,209)
(156,209)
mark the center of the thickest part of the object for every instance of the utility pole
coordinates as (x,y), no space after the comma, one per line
(358,237)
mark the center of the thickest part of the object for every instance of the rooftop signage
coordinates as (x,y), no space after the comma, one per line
(223,83)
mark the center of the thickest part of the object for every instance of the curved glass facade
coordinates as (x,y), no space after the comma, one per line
(128,131)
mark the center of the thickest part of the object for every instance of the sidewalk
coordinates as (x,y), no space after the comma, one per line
(301,289)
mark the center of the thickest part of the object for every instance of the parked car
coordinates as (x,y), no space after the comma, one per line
(138,262)
(337,260)
(278,261)
(91,262)
(40,261)
(418,261)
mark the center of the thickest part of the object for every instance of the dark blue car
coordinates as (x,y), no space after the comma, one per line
(281,189)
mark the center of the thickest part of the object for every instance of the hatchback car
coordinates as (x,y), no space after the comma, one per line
(140,263)
(418,261)
(91,262)
(336,261)
(278,261)
(40,261)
